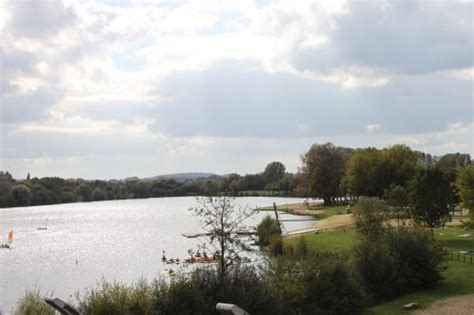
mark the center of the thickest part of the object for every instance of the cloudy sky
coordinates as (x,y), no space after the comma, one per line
(110,89)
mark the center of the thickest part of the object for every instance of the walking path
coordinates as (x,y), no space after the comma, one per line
(460,305)
(333,222)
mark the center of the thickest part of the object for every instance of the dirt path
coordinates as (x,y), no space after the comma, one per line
(460,305)
(335,222)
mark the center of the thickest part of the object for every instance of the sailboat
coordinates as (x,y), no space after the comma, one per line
(45,227)
(9,240)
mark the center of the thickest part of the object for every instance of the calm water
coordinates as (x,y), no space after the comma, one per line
(120,240)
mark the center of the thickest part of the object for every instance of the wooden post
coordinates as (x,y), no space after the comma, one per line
(276,215)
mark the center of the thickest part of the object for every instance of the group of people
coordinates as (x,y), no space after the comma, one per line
(169,261)
(196,257)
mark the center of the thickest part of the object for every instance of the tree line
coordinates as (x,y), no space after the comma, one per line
(331,173)
(53,190)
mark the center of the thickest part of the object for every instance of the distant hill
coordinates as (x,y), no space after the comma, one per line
(181,177)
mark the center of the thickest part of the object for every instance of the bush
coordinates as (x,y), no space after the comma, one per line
(317,284)
(406,259)
(31,303)
(114,298)
(276,247)
(419,259)
(196,292)
(267,230)
(244,286)
(376,267)
(181,296)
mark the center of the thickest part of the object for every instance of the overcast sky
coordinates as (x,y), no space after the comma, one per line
(114,89)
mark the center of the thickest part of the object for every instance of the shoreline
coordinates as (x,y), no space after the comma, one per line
(328,218)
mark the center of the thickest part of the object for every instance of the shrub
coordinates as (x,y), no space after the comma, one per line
(419,259)
(317,284)
(244,286)
(31,303)
(276,247)
(181,296)
(370,214)
(376,267)
(114,298)
(406,259)
(267,229)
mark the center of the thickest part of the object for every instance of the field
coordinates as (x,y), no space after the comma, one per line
(458,276)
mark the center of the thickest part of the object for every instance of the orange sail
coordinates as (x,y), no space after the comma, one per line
(10,236)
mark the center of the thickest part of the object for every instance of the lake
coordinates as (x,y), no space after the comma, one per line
(85,242)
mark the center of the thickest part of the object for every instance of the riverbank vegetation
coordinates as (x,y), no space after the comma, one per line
(341,271)
(273,181)
(393,247)
(328,172)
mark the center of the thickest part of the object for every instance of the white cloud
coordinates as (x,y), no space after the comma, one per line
(372,127)
(465,74)
(194,82)
(356,77)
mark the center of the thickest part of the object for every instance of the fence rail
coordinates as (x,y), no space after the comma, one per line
(462,256)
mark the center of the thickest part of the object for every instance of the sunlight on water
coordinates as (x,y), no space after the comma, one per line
(120,240)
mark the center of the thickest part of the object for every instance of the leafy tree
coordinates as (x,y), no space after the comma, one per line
(426,159)
(22,195)
(363,175)
(210,188)
(53,184)
(274,172)
(99,195)
(228,184)
(109,191)
(267,229)
(430,197)
(6,198)
(370,171)
(323,169)
(42,196)
(465,185)
(84,192)
(450,162)
(6,176)
(397,197)
(223,219)
(399,164)
(370,216)
(68,196)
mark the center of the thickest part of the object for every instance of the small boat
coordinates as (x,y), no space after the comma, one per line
(9,240)
(42,228)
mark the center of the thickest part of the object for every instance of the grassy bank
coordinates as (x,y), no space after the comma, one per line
(458,281)
(330,241)
(315,209)
(458,275)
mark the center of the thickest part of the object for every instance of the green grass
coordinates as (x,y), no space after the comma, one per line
(262,193)
(32,303)
(458,276)
(334,210)
(456,239)
(458,281)
(330,241)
